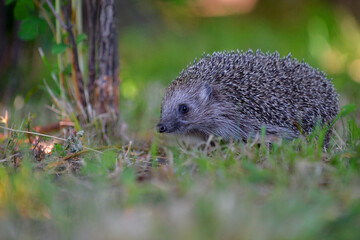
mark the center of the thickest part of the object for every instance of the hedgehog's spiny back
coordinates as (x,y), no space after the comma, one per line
(270,89)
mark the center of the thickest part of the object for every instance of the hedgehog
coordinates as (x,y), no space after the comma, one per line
(236,95)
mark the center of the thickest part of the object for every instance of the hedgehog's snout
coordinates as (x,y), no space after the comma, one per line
(161,128)
(166,126)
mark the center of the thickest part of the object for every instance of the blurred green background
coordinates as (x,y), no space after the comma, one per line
(157,39)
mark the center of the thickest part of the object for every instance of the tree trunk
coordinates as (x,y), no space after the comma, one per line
(103,53)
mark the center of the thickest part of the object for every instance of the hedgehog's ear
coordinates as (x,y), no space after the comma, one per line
(206,92)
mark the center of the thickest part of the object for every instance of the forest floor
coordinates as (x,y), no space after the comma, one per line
(153,190)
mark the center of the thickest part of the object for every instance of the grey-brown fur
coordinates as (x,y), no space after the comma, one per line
(233,94)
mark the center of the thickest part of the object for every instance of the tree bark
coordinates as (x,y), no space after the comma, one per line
(104,87)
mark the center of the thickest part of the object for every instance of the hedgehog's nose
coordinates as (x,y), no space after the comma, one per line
(161,128)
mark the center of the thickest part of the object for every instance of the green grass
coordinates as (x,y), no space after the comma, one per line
(227,191)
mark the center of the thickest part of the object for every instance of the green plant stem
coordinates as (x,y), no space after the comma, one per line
(60,56)
(79,29)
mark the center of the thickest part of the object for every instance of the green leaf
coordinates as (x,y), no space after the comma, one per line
(67,70)
(81,38)
(42,24)
(59,48)
(29,4)
(21,10)
(345,110)
(29,29)
(7,2)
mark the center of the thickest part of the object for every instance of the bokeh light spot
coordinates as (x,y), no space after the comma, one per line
(129,90)
(18,102)
(354,70)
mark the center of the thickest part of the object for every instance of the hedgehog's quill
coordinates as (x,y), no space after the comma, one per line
(234,94)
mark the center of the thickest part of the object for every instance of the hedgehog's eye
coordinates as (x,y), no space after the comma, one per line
(183,108)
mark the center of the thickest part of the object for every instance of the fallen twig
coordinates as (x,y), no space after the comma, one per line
(68,157)
(9,157)
(44,135)
(57,16)
(54,126)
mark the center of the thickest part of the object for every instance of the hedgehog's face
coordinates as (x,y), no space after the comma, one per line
(185,109)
